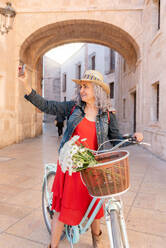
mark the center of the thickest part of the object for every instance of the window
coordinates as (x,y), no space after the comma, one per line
(93,62)
(156,100)
(124,108)
(156,10)
(158,14)
(111,90)
(124,65)
(79,71)
(134,103)
(64,83)
(112,60)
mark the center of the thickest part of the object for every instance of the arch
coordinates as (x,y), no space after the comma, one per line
(91,31)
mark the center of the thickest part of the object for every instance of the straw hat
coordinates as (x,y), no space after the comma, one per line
(94,77)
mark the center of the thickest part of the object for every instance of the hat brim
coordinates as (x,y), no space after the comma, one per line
(102,84)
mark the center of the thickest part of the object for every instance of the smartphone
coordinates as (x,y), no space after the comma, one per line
(21,70)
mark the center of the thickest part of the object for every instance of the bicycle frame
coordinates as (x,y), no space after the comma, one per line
(116,205)
(83,229)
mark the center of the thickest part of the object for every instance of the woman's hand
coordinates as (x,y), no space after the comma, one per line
(23,78)
(139,136)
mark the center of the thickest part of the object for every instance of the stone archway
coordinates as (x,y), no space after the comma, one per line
(63,32)
(90,31)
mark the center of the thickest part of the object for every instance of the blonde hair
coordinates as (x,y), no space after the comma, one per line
(102,102)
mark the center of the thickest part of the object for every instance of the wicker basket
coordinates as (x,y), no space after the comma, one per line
(110,176)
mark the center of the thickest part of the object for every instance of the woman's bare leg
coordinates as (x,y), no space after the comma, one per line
(97,234)
(56,230)
(95,227)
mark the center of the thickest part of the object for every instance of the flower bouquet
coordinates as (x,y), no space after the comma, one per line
(103,174)
(74,156)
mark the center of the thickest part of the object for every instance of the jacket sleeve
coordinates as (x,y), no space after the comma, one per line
(50,107)
(113,130)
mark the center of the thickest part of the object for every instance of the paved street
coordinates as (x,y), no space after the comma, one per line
(21,173)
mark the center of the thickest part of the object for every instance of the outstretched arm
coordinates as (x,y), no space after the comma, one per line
(50,107)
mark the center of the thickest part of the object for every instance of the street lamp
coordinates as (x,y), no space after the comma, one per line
(7,15)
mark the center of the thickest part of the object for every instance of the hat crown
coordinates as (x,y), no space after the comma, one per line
(93,75)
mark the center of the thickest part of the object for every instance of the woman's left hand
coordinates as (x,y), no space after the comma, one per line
(139,136)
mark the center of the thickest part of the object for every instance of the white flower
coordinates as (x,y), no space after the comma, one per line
(82,150)
(79,164)
(72,153)
(75,148)
(73,157)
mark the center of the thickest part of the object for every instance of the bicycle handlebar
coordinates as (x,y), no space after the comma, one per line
(128,139)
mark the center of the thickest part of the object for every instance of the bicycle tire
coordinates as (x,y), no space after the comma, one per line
(116,230)
(45,204)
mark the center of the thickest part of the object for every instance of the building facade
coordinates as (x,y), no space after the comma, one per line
(145,99)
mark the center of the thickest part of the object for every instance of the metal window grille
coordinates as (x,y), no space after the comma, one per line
(111,90)
(64,83)
(112,60)
(93,62)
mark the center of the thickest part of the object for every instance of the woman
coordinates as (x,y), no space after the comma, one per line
(89,116)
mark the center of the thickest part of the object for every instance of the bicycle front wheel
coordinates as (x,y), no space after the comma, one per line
(116,230)
(47,199)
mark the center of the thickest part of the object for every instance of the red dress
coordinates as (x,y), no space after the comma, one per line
(70,195)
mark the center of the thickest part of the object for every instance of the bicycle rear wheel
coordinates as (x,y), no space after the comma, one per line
(47,199)
(116,230)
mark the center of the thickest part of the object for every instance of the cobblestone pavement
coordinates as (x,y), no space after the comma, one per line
(21,173)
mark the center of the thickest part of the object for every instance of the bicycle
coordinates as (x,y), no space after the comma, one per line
(113,209)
